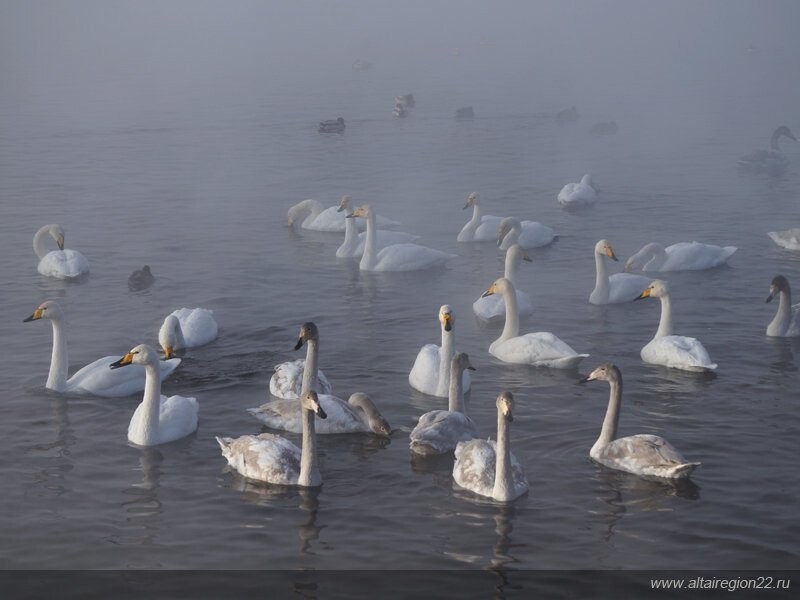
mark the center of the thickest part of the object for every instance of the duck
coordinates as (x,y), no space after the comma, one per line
(187,328)
(619,287)
(644,455)
(493,308)
(358,415)
(354,242)
(487,467)
(158,419)
(772,160)
(480,228)
(95,378)
(683,256)
(675,351)
(438,431)
(528,234)
(787,320)
(397,257)
(332,126)
(287,381)
(274,459)
(431,371)
(61,263)
(313,216)
(789,238)
(540,349)
(141,279)
(578,195)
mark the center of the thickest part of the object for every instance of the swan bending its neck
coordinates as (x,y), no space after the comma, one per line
(54,231)
(782,322)
(303,210)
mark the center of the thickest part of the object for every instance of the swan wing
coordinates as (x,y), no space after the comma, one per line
(577,194)
(626,287)
(63,264)
(535,235)
(439,431)
(643,454)
(679,352)
(474,468)
(285,414)
(198,325)
(98,379)
(287,381)
(265,457)
(493,308)
(540,349)
(177,418)
(424,375)
(410,257)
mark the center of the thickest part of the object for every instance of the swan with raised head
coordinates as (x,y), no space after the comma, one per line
(676,351)
(158,419)
(358,415)
(578,195)
(353,244)
(644,454)
(480,228)
(619,287)
(787,320)
(493,308)
(540,349)
(187,328)
(287,381)
(141,279)
(488,468)
(528,234)
(789,238)
(274,459)
(95,378)
(61,263)
(397,257)
(772,160)
(683,256)
(438,431)
(312,215)
(431,371)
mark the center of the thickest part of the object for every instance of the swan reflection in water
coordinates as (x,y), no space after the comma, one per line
(52,476)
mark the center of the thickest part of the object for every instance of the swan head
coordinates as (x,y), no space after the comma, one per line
(498,287)
(364,403)
(344,204)
(142,354)
(517,252)
(168,335)
(310,401)
(46,310)
(505,405)
(779,284)
(472,199)
(658,288)
(362,211)
(603,248)
(507,225)
(784,131)
(461,362)
(57,233)
(641,258)
(308,332)
(606,372)
(446,317)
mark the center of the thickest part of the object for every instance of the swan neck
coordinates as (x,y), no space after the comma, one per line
(511,267)
(455,401)
(601,286)
(445,358)
(773,142)
(38,241)
(783,317)
(57,378)
(511,328)
(147,433)
(609,431)
(665,324)
(310,367)
(309,471)
(657,255)
(350,234)
(299,210)
(369,258)
(503,482)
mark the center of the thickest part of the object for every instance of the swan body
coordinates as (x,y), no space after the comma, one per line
(619,287)
(187,328)
(786,322)
(358,415)
(354,242)
(528,234)
(158,419)
(141,279)
(397,257)
(676,351)
(493,308)
(332,126)
(683,256)
(488,468)
(540,349)
(789,239)
(431,371)
(312,215)
(95,378)
(61,263)
(438,431)
(576,195)
(644,455)
(772,160)
(480,228)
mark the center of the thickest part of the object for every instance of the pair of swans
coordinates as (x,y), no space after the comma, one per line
(354,242)
(312,215)
(95,378)
(619,287)
(493,308)
(643,454)
(683,256)
(578,195)
(786,322)
(187,328)
(507,231)
(431,371)
(61,263)
(772,160)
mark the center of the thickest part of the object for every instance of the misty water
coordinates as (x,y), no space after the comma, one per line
(178,135)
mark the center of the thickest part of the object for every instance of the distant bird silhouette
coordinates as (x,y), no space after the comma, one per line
(141,279)
(465,113)
(567,115)
(332,126)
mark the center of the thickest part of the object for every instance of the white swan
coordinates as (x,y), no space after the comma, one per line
(789,239)
(676,351)
(786,322)
(353,244)
(683,256)
(619,287)
(187,328)
(480,228)
(578,195)
(488,468)
(312,215)
(528,234)
(772,160)
(95,378)
(358,415)
(645,455)
(493,308)
(158,419)
(398,257)
(431,371)
(274,459)
(540,349)
(59,264)
(287,381)
(438,431)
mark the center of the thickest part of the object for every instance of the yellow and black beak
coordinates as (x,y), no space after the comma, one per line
(169,352)
(447,321)
(489,292)
(122,362)
(60,242)
(610,253)
(644,294)
(37,314)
